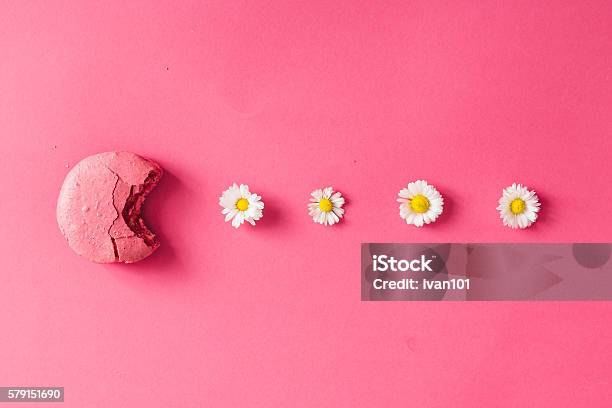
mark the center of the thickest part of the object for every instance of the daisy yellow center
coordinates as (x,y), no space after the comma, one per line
(419,204)
(242,204)
(517,206)
(325,205)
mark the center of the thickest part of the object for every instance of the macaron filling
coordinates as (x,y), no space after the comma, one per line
(131,212)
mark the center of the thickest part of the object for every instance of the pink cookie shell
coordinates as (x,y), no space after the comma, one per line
(98,209)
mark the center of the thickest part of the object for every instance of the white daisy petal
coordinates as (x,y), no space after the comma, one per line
(403,194)
(518,206)
(239,212)
(418,220)
(410,218)
(325,206)
(230,214)
(427,205)
(531,216)
(321,217)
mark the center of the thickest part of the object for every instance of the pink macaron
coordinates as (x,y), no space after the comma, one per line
(99,207)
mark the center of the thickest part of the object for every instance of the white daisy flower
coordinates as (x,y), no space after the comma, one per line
(518,206)
(420,203)
(240,205)
(325,206)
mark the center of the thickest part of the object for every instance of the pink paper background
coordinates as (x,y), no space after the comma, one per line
(289,97)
